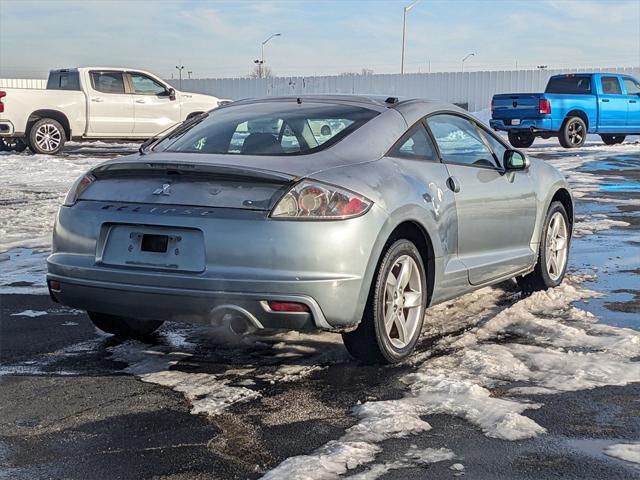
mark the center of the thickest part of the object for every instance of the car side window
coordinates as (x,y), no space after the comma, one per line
(611,86)
(416,145)
(633,87)
(460,142)
(107,82)
(143,85)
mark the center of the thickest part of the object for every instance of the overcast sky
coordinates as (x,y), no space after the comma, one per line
(222,38)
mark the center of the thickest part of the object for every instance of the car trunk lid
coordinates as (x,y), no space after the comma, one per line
(516,106)
(187,184)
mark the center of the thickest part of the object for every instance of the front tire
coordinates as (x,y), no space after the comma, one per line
(521,139)
(573,133)
(46,137)
(612,139)
(394,313)
(553,253)
(123,327)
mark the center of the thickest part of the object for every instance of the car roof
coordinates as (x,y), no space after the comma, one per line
(411,108)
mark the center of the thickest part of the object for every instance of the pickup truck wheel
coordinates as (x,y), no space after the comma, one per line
(522,139)
(612,139)
(123,327)
(573,133)
(46,136)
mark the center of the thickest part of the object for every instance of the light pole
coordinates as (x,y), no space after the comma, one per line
(189,74)
(404,32)
(261,61)
(180,68)
(465,58)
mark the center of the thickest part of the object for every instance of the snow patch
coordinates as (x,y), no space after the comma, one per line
(625,451)
(326,463)
(414,457)
(23,271)
(588,225)
(207,393)
(29,313)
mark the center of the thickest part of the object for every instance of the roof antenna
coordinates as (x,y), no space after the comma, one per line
(299,100)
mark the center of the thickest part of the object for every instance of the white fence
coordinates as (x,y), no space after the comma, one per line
(22,83)
(472,88)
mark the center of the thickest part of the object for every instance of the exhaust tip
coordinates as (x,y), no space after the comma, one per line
(236,318)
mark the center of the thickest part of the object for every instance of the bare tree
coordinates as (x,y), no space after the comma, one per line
(261,71)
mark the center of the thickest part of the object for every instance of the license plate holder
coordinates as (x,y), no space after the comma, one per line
(515,121)
(164,248)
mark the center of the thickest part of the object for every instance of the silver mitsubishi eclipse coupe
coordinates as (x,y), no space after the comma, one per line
(350,214)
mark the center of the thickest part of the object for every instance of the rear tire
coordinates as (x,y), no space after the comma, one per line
(46,137)
(521,139)
(123,327)
(12,144)
(402,304)
(555,236)
(573,133)
(612,139)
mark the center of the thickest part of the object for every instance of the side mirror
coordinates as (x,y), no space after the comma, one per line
(172,94)
(515,160)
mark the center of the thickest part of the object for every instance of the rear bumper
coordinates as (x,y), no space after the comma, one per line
(532,125)
(185,305)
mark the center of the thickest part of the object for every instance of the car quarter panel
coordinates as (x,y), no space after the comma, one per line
(409,191)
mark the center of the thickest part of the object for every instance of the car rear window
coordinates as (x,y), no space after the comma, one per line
(569,84)
(63,81)
(268,128)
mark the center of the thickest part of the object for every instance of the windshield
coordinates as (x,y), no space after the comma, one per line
(269,128)
(569,84)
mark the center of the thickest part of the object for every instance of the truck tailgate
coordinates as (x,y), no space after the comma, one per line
(516,105)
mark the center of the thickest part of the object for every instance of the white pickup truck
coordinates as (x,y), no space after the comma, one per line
(93,103)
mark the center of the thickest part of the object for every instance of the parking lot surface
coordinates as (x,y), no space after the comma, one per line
(501,386)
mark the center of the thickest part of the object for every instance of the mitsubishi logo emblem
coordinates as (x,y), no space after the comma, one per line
(165,189)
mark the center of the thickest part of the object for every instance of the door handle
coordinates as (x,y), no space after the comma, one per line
(453,184)
(97,99)
(141,101)
(632,101)
(605,100)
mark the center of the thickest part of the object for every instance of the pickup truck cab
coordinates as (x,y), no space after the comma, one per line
(571,106)
(94,103)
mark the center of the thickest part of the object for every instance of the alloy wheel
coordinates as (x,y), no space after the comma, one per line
(48,137)
(557,243)
(403,301)
(576,133)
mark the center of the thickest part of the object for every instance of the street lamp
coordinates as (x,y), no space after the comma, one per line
(261,61)
(404,32)
(465,58)
(180,68)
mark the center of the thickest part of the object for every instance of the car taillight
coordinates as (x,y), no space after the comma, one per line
(2,95)
(545,106)
(79,186)
(310,200)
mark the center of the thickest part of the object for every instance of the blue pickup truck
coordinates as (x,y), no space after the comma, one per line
(571,106)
